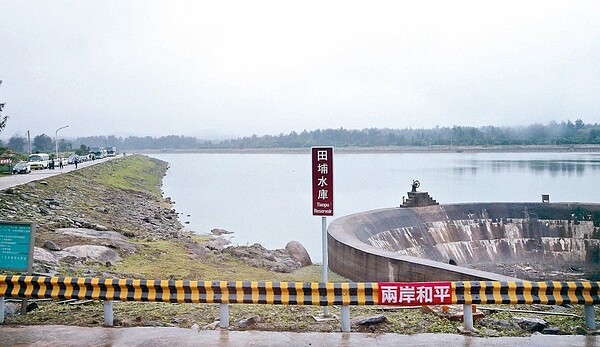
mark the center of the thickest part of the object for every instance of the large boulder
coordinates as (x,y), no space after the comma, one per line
(42,255)
(92,233)
(298,252)
(95,253)
(279,260)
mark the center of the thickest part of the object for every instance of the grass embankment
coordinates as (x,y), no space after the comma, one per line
(137,174)
(109,193)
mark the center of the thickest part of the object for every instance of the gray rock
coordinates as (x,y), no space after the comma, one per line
(499,324)
(217,244)
(42,255)
(298,252)
(258,256)
(245,323)
(211,326)
(491,332)
(10,308)
(219,232)
(100,227)
(551,331)
(99,254)
(463,330)
(372,320)
(531,324)
(49,245)
(92,233)
(52,202)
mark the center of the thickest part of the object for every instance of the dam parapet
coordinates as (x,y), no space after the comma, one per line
(400,244)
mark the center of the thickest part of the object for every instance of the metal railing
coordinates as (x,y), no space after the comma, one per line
(302,293)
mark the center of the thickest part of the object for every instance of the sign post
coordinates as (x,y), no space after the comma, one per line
(322,193)
(16,246)
(16,251)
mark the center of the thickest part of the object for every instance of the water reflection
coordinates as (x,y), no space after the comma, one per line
(538,166)
(463,170)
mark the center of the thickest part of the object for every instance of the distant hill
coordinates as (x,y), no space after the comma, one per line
(553,133)
(564,133)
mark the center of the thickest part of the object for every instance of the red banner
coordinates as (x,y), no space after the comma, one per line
(415,294)
(322,181)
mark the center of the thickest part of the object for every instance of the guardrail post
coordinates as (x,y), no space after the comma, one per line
(590,316)
(223,315)
(108,313)
(1,309)
(345,318)
(468,317)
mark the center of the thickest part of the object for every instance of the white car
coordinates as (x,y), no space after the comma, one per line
(22,167)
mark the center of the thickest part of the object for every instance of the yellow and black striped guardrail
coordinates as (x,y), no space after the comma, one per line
(513,292)
(289,293)
(233,292)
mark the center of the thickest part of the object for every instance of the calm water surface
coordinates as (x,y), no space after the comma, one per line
(266,198)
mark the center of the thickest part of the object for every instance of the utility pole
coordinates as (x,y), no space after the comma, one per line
(56,140)
(2,104)
(2,119)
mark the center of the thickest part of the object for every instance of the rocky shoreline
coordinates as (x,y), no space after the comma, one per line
(85,224)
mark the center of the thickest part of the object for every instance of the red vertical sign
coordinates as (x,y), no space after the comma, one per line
(322,181)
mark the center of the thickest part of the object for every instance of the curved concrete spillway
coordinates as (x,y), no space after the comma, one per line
(424,243)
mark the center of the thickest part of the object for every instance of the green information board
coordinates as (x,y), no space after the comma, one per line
(16,245)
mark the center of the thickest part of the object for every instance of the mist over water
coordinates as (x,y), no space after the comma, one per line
(266,198)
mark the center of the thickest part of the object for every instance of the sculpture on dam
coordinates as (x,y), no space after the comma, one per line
(416,184)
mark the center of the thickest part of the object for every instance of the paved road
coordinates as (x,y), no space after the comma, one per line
(59,335)
(15,180)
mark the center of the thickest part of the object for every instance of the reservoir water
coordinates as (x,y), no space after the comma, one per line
(266,198)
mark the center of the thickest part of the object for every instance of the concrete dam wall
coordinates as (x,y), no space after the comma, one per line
(448,242)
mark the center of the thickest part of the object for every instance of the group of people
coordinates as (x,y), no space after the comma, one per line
(60,164)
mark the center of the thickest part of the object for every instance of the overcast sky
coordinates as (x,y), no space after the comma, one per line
(220,69)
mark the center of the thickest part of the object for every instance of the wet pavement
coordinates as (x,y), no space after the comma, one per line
(58,335)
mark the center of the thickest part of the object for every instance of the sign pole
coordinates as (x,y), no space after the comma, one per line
(325,258)
(322,193)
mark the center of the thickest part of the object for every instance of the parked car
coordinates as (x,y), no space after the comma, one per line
(22,167)
(72,158)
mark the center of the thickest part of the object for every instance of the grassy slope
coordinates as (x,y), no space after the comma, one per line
(137,173)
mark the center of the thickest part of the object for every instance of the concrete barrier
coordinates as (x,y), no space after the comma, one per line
(441,242)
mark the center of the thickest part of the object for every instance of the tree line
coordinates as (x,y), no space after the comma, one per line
(553,133)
